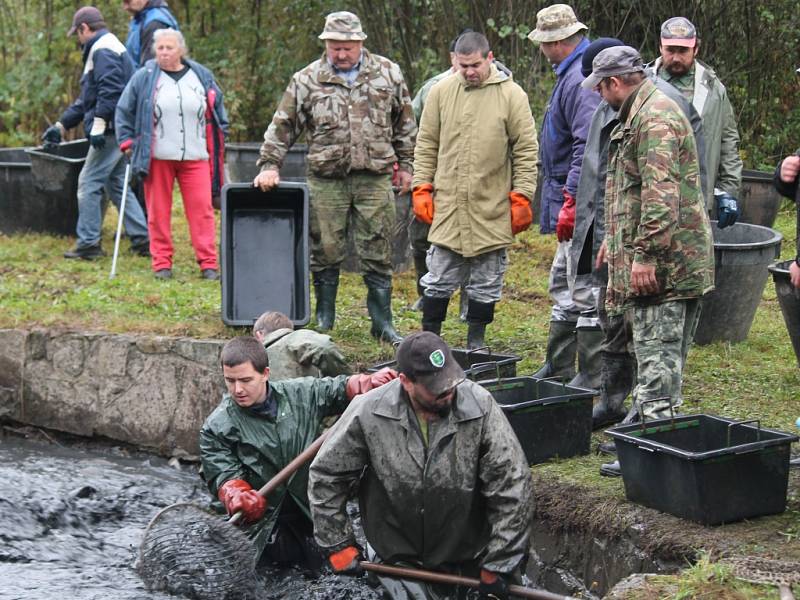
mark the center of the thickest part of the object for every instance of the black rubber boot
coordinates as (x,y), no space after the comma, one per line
(434,312)
(617,377)
(379,305)
(326,284)
(590,340)
(561,347)
(421,268)
(479,315)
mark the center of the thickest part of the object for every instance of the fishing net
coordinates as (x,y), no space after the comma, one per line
(189,552)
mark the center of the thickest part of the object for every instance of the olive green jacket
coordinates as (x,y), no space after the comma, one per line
(475,145)
(303,353)
(239,443)
(465,496)
(722,160)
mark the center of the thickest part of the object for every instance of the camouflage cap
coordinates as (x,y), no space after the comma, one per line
(678,31)
(555,23)
(342,26)
(617,60)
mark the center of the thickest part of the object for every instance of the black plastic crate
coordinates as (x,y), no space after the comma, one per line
(265,253)
(704,468)
(477,364)
(550,419)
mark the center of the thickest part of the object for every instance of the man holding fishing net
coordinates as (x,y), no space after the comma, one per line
(257,429)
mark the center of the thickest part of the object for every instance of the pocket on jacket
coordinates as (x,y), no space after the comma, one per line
(324,116)
(326,160)
(380,106)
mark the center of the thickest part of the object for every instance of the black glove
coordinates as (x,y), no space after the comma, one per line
(97,141)
(494,586)
(727,210)
(51,137)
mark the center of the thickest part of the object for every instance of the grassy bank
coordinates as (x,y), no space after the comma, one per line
(758,378)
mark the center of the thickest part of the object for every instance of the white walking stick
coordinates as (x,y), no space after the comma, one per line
(119,221)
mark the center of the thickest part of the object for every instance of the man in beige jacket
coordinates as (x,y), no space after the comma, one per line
(474,176)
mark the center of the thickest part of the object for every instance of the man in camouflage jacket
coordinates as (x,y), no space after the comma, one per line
(356,111)
(658,238)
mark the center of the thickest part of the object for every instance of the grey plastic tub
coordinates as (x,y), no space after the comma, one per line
(759,201)
(789,299)
(264,253)
(742,254)
(40,193)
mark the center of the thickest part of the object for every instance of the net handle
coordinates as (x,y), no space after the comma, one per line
(286,472)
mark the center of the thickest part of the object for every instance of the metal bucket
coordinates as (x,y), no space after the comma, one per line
(789,299)
(742,254)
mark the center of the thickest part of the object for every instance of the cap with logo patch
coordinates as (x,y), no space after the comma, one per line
(678,31)
(426,359)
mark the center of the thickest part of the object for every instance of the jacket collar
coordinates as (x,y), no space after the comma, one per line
(87,47)
(274,336)
(703,78)
(635,101)
(495,76)
(576,53)
(327,74)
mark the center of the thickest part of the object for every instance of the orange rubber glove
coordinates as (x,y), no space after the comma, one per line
(521,214)
(238,495)
(565,226)
(364,382)
(422,202)
(347,561)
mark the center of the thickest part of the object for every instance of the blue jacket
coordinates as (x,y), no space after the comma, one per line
(155,15)
(106,69)
(134,121)
(564,130)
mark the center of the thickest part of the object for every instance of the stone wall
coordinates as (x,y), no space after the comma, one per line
(151,391)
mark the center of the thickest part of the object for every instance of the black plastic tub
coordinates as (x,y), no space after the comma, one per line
(760,201)
(550,419)
(789,299)
(240,159)
(477,364)
(264,255)
(27,202)
(704,468)
(742,254)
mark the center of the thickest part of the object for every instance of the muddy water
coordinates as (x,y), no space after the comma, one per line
(72,517)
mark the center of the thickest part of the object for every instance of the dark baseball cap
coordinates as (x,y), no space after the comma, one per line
(88,15)
(593,50)
(614,61)
(426,358)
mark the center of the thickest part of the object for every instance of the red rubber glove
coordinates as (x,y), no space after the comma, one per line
(566,218)
(347,561)
(521,214)
(422,202)
(238,495)
(364,382)
(493,586)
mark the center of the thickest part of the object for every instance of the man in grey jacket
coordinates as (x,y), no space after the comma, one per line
(617,364)
(442,481)
(699,84)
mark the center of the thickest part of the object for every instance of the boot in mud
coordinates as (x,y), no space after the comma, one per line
(590,340)
(561,348)
(434,312)
(326,285)
(479,315)
(379,305)
(618,374)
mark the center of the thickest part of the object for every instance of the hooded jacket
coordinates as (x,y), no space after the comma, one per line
(240,443)
(466,495)
(475,145)
(303,353)
(155,15)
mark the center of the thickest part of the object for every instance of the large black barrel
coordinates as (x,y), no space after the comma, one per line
(742,254)
(789,299)
(759,202)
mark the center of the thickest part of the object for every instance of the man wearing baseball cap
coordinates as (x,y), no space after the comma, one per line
(573,321)
(657,238)
(442,481)
(107,69)
(356,111)
(699,84)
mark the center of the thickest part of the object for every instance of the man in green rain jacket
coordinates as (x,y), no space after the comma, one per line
(257,429)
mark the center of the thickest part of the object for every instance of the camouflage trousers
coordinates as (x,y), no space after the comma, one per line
(661,337)
(366,202)
(447,270)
